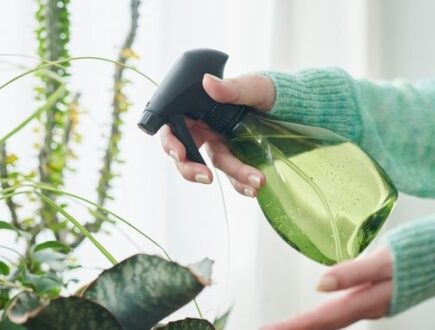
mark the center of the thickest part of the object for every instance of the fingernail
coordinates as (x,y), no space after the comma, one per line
(174,155)
(327,283)
(255,180)
(214,78)
(248,192)
(202,178)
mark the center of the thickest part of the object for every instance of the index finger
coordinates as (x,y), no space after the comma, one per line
(374,267)
(252,90)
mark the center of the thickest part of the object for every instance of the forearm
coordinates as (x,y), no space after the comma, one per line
(394,123)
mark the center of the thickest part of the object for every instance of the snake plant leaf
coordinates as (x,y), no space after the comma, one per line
(221,321)
(23,306)
(143,289)
(187,324)
(72,313)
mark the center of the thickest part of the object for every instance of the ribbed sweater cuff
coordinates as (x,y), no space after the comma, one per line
(317,97)
(413,249)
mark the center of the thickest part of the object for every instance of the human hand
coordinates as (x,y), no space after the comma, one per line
(368,285)
(255,91)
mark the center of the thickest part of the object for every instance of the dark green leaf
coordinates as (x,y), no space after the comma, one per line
(4,298)
(221,321)
(55,245)
(71,313)
(6,324)
(6,225)
(144,289)
(4,269)
(187,324)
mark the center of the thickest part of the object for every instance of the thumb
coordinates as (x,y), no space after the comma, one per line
(252,90)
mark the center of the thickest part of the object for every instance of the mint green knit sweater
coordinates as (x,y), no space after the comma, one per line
(395,124)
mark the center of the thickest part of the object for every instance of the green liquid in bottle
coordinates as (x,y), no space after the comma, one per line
(323,195)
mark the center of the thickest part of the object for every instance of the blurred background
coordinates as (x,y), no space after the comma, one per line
(255,272)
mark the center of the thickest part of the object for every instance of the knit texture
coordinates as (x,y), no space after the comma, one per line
(413,250)
(395,124)
(321,98)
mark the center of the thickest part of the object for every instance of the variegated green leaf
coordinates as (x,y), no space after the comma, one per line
(187,324)
(24,306)
(48,284)
(142,290)
(73,313)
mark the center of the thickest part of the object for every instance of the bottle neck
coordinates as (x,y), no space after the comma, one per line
(222,118)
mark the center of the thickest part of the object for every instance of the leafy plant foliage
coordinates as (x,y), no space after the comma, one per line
(136,293)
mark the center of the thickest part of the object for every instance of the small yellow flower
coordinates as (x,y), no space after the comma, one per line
(11,159)
(128,53)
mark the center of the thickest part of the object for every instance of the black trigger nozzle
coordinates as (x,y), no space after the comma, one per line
(181,95)
(150,122)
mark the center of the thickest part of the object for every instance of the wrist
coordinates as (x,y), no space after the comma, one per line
(413,264)
(316,97)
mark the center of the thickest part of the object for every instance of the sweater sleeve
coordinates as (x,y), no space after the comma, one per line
(412,247)
(393,122)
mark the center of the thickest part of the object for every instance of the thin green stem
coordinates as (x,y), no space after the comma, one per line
(7,284)
(66,193)
(51,100)
(15,194)
(79,58)
(77,224)
(227,226)
(198,309)
(12,250)
(48,73)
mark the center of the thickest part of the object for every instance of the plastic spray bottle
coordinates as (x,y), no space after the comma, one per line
(323,195)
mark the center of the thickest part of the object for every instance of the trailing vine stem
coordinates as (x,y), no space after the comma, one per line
(120,105)
(77,224)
